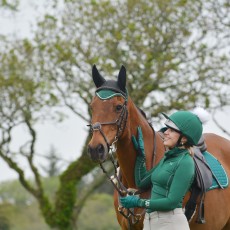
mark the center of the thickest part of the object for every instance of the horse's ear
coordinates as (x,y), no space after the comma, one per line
(122,78)
(97,78)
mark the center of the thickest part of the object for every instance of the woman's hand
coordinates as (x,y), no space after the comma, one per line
(139,142)
(130,201)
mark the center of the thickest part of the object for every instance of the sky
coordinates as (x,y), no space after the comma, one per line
(69,136)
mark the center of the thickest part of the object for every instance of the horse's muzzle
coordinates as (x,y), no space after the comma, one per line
(98,153)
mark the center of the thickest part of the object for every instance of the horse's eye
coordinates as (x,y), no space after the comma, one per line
(118,108)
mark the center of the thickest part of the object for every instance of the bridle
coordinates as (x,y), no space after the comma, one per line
(120,122)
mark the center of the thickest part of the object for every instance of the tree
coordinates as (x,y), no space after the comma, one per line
(164,45)
(220,26)
(173,59)
(54,167)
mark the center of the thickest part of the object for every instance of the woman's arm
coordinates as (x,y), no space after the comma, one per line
(181,183)
(142,176)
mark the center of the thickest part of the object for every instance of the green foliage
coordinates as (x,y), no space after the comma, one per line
(22,217)
(25,215)
(9,5)
(12,191)
(98,214)
(4,223)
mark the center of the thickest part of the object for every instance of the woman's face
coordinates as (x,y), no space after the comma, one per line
(171,138)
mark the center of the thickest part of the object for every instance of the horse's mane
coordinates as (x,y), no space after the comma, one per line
(142,112)
(144,115)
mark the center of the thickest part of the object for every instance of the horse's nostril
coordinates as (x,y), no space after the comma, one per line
(100,149)
(97,153)
(101,152)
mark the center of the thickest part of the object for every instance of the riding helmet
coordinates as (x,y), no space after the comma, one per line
(186,123)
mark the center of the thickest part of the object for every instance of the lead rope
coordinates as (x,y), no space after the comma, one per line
(138,216)
(112,150)
(121,189)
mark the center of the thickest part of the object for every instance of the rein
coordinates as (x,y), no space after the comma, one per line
(121,189)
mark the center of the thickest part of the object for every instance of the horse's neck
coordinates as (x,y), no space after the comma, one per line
(126,153)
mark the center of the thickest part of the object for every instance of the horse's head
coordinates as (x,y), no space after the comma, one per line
(109,114)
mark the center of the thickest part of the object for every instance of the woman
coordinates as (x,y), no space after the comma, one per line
(171,178)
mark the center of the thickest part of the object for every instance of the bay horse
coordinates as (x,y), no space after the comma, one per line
(115,119)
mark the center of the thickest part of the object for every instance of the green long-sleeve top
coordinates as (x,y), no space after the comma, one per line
(170,179)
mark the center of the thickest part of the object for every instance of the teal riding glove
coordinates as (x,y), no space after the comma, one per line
(130,201)
(139,142)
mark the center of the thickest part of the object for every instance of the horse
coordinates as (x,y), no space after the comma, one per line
(114,120)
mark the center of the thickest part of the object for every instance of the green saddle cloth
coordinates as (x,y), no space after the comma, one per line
(217,170)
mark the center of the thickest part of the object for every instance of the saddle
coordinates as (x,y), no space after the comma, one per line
(202,182)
